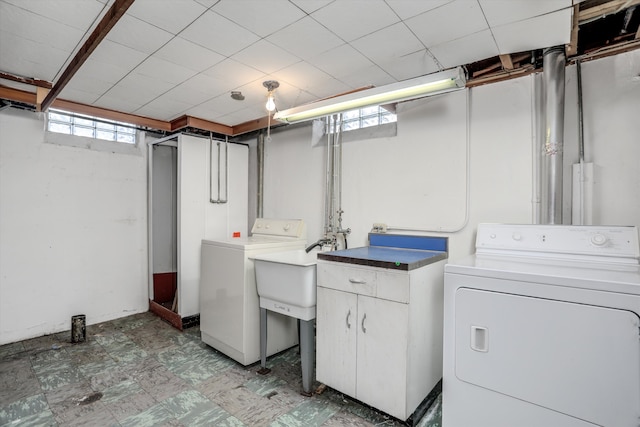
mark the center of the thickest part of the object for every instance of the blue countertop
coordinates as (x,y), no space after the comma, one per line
(385,257)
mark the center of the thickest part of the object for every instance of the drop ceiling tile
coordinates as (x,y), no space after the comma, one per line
(500,12)
(112,53)
(302,75)
(233,72)
(89,83)
(28,58)
(265,56)
(451,21)
(353,19)
(217,33)
(76,95)
(465,50)
(408,8)
(241,116)
(372,75)
(79,14)
(328,88)
(137,88)
(408,66)
(207,3)
(215,107)
(118,103)
(310,6)
(305,38)
(548,30)
(40,29)
(389,43)
(259,16)
(164,70)
(92,69)
(183,52)
(170,15)
(198,89)
(341,61)
(138,35)
(163,108)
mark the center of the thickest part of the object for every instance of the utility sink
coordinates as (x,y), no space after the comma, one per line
(286,282)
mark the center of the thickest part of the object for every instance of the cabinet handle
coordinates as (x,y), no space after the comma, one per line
(348,316)
(363,319)
(358,281)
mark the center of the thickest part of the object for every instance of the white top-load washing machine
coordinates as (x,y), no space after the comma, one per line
(541,328)
(229,305)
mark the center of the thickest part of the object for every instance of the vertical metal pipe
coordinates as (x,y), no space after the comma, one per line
(553,73)
(580,142)
(260,196)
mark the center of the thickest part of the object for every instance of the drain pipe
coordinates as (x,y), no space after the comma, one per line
(553,73)
(260,196)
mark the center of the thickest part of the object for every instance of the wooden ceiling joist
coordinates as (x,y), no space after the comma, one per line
(572,48)
(506,62)
(113,15)
(26,80)
(604,9)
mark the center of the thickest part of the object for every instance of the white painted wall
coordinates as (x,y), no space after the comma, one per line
(418,178)
(73,231)
(611,100)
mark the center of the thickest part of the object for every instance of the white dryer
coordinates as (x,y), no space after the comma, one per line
(542,328)
(229,304)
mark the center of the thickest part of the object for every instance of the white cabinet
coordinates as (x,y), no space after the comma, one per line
(379,333)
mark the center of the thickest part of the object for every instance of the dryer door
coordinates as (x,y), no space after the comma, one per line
(576,359)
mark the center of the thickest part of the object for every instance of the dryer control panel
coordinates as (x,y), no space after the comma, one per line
(607,243)
(294,228)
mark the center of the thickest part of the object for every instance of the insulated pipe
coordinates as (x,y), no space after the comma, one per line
(553,73)
(260,200)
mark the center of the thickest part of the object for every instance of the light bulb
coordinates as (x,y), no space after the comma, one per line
(271,105)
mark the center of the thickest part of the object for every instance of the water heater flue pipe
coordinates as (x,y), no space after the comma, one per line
(553,74)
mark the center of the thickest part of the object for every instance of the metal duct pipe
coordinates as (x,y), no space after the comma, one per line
(260,198)
(553,74)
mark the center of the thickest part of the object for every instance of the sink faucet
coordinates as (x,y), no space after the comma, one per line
(320,243)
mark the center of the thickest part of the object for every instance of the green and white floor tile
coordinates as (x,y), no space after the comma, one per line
(140,371)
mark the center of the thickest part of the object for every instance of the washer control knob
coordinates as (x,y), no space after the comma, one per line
(516,236)
(492,235)
(287,226)
(598,239)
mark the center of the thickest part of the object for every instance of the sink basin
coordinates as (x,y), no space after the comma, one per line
(286,282)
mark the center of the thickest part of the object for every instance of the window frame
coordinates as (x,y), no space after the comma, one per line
(91,127)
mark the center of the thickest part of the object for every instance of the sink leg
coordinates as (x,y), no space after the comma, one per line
(307,354)
(263,342)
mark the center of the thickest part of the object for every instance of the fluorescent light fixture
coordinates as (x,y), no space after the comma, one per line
(432,84)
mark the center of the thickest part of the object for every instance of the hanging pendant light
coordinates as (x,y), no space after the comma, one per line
(271,85)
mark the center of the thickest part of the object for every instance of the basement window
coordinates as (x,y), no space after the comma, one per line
(364,118)
(91,127)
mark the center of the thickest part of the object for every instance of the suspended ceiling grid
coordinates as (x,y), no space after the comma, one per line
(169,58)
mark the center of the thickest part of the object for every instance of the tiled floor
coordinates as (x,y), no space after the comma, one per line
(139,371)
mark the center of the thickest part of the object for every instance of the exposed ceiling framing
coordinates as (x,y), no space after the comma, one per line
(599,28)
(115,12)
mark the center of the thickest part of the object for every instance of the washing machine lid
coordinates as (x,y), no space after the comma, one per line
(257,242)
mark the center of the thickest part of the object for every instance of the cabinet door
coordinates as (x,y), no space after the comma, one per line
(336,325)
(382,355)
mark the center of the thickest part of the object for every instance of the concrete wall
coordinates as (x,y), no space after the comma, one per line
(73,230)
